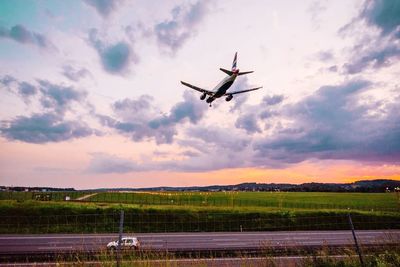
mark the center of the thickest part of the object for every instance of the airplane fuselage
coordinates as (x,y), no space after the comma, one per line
(222,87)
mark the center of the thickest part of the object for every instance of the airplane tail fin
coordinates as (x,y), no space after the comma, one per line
(234,63)
(235,70)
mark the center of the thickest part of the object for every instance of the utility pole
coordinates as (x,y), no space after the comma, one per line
(121,228)
(355,241)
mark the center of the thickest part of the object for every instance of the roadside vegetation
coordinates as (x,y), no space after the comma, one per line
(302,200)
(83,217)
(292,200)
(381,256)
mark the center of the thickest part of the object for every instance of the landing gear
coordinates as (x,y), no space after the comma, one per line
(210,100)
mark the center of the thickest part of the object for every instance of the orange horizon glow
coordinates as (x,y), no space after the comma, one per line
(47,165)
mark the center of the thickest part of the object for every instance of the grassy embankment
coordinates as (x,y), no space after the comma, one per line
(68,217)
(295,200)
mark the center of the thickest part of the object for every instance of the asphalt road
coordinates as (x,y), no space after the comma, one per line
(57,243)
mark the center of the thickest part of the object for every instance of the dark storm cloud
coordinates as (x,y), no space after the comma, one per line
(141,119)
(22,35)
(58,97)
(43,128)
(104,7)
(172,34)
(385,50)
(115,58)
(331,125)
(75,74)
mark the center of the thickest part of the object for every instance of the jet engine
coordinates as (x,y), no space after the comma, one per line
(229,98)
(203,96)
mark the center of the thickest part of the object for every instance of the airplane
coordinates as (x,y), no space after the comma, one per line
(222,88)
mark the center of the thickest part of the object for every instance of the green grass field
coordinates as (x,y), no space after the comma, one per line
(196,211)
(294,200)
(85,217)
(299,200)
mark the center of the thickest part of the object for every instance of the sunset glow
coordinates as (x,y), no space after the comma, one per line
(90,92)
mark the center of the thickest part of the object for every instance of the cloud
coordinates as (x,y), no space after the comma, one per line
(172,34)
(7,80)
(325,56)
(22,35)
(115,58)
(315,9)
(74,74)
(382,50)
(51,125)
(56,97)
(59,97)
(375,58)
(104,163)
(248,122)
(240,99)
(141,119)
(104,7)
(384,14)
(43,128)
(331,124)
(218,137)
(27,89)
(190,108)
(24,89)
(272,100)
(211,148)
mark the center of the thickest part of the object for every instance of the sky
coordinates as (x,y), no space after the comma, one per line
(90,92)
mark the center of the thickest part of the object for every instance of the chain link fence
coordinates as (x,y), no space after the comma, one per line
(163,221)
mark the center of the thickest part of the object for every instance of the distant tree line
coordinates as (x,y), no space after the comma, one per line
(367,186)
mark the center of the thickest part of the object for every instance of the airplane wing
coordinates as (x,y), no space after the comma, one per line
(197,88)
(243,91)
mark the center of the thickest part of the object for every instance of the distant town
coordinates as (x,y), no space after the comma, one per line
(370,186)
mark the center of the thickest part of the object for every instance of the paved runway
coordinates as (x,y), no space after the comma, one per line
(53,243)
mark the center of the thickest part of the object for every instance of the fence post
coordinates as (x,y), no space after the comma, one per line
(121,227)
(355,240)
